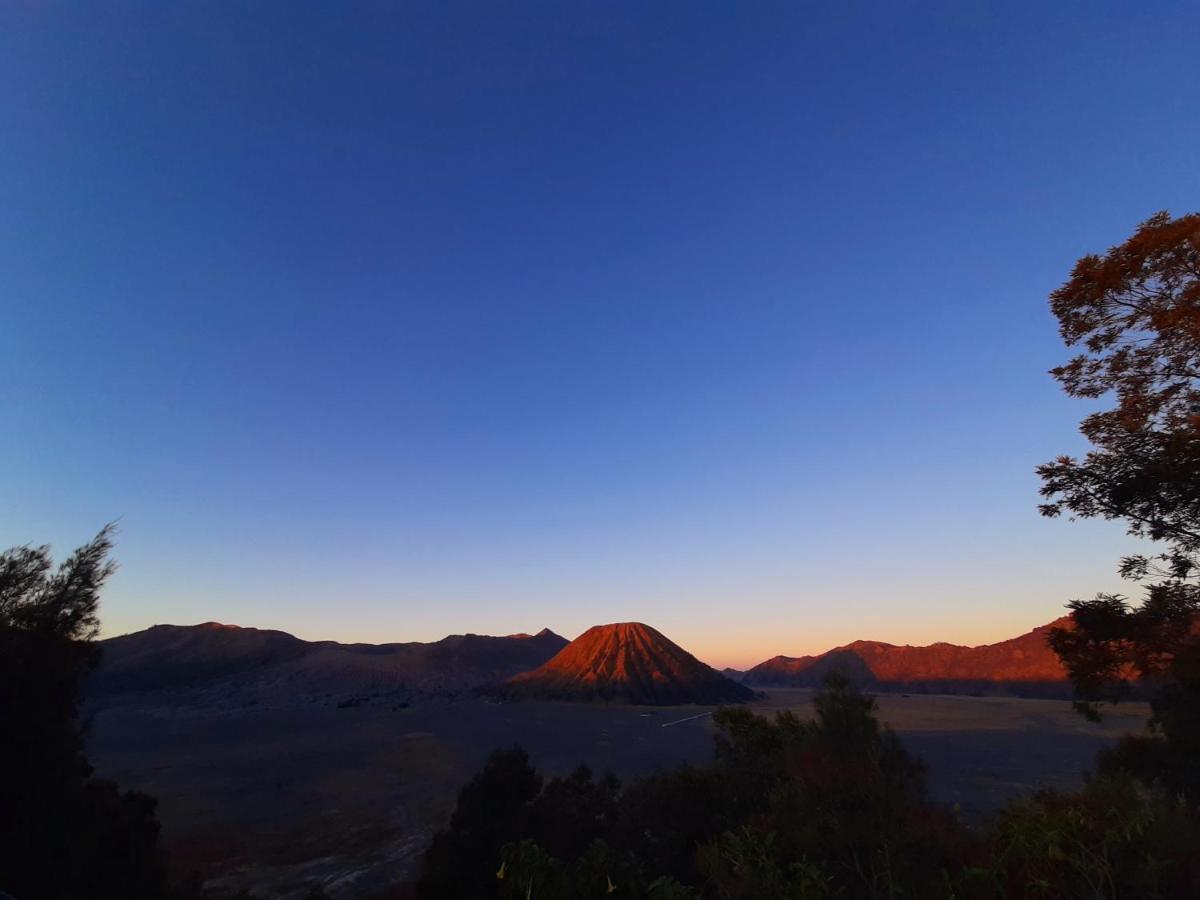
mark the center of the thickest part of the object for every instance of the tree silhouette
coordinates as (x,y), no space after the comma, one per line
(492,809)
(787,808)
(1134,315)
(63,834)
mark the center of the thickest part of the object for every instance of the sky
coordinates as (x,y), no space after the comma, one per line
(382,321)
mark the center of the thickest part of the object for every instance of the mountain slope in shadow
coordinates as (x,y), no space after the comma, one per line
(228,665)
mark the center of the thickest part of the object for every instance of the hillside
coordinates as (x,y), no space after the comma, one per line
(228,665)
(626,662)
(1023,665)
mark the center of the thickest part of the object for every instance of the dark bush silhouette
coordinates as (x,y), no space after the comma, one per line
(668,815)
(492,810)
(791,808)
(788,808)
(1114,838)
(839,806)
(63,834)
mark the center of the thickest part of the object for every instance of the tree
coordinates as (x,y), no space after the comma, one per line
(1113,838)
(839,806)
(492,810)
(788,808)
(1134,316)
(62,833)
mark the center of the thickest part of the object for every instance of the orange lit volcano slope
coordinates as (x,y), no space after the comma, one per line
(626,662)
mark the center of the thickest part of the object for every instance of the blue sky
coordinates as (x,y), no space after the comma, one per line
(389,320)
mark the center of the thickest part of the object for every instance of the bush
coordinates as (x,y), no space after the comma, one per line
(788,808)
(1115,838)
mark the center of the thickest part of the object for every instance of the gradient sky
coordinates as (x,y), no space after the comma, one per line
(383,321)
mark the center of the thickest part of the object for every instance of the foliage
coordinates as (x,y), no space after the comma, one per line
(527,871)
(63,834)
(1115,838)
(747,864)
(1113,643)
(840,805)
(572,811)
(792,808)
(668,815)
(63,603)
(788,808)
(492,810)
(1134,315)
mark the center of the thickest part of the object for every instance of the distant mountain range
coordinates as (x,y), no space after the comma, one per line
(626,662)
(228,665)
(1024,666)
(224,666)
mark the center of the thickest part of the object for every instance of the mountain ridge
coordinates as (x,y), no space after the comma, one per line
(214,662)
(1021,665)
(232,665)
